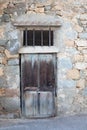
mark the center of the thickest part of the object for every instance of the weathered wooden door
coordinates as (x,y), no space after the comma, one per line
(38,85)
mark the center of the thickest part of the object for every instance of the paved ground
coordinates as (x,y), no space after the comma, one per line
(65,123)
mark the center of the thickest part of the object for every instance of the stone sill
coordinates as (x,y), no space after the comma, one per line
(35,49)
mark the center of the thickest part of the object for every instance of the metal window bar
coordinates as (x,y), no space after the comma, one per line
(49,36)
(26,37)
(41,37)
(33,37)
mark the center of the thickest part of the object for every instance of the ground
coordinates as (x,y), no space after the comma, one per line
(77,122)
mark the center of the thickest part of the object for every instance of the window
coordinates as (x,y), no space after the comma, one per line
(38,37)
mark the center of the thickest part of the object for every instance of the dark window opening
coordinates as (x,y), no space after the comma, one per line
(38,37)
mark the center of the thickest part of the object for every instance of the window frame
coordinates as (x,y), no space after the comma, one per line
(38,35)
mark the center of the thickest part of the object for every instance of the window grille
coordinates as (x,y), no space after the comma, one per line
(38,37)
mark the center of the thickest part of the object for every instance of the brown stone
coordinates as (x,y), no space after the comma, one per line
(9,56)
(3,5)
(2,92)
(69,43)
(11,92)
(78,28)
(39,10)
(1,72)
(2,49)
(80,84)
(78,58)
(73,74)
(1,32)
(85,57)
(4,61)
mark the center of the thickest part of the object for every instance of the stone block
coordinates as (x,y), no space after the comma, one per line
(19,8)
(83,35)
(3,42)
(69,32)
(81,65)
(9,56)
(12,76)
(64,63)
(47,8)
(84,22)
(69,43)
(2,92)
(1,72)
(81,43)
(73,74)
(2,6)
(84,51)
(13,46)
(84,92)
(2,49)
(78,58)
(71,51)
(12,92)
(83,17)
(13,34)
(3,82)
(66,84)
(85,57)
(78,28)
(13,62)
(39,10)
(5,18)
(10,104)
(80,84)
(2,32)
(4,60)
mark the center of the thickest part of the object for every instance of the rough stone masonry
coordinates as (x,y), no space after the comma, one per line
(71,58)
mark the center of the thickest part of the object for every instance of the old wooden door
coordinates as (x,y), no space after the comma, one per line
(38,85)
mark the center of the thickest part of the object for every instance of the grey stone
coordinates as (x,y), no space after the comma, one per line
(5,18)
(64,63)
(69,32)
(3,82)
(37,19)
(13,46)
(20,8)
(42,1)
(2,49)
(47,8)
(3,42)
(9,27)
(13,34)
(83,35)
(1,55)
(13,62)
(72,51)
(66,83)
(12,76)
(81,65)
(84,92)
(10,104)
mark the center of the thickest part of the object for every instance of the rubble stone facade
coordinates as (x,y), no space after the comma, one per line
(71,57)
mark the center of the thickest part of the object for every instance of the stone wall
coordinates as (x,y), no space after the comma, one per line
(71,59)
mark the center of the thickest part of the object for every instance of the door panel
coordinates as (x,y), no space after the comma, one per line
(38,77)
(29,71)
(47,78)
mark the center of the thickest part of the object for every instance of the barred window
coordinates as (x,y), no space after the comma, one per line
(38,37)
